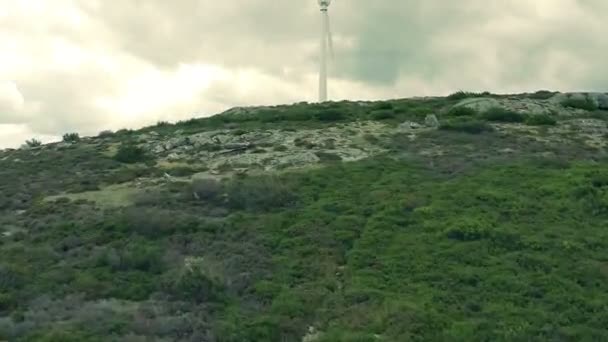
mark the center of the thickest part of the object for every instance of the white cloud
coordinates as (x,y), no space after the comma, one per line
(14,135)
(11,101)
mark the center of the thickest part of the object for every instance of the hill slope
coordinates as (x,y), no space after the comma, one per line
(473,217)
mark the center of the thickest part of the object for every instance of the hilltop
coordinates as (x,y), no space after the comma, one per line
(469,217)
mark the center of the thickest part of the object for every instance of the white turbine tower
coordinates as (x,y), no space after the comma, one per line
(326,44)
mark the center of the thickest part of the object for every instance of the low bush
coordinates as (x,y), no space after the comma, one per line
(503,115)
(33,143)
(467,126)
(328,157)
(462,111)
(105,134)
(194,284)
(259,193)
(10,277)
(239,132)
(370,138)
(578,103)
(383,106)
(71,137)
(468,231)
(7,302)
(150,222)
(206,189)
(540,120)
(541,95)
(330,115)
(130,153)
(382,114)
(461,95)
(280,148)
(598,114)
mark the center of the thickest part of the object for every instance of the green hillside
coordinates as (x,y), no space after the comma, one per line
(474,217)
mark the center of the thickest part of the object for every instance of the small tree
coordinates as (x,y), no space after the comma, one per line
(105,134)
(71,137)
(33,143)
(130,153)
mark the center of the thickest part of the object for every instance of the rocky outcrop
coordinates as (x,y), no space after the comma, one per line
(600,100)
(431,121)
(268,149)
(553,105)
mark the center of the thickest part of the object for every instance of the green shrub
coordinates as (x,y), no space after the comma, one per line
(300,142)
(462,111)
(469,230)
(71,137)
(383,106)
(270,115)
(540,120)
(330,115)
(11,277)
(140,257)
(33,143)
(370,138)
(461,95)
(328,157)
(7,302)
(280,148)
(105,134)
(597,114)
(150,222)
(499,114)
(194,284)
(130,153)
(300,116)
(124,132)
(382,114)
(466,126)
(542,95)
(593,198)
(206,189)
(578,103)
(61,334)
(259,193)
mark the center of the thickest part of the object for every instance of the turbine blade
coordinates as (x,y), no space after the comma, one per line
(330,40)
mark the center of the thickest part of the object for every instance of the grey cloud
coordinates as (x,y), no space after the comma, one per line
(65,101)
(382,47)
(245,33)
(392,37)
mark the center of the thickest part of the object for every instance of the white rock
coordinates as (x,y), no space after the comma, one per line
(431,121)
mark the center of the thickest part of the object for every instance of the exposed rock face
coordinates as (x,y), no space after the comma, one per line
(599,99)
(552,105)
(276,149)
(431,121)
(603,102)
(518,105)
(409,125)
(268,149)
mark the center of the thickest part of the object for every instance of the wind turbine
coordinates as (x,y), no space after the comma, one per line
(326,44)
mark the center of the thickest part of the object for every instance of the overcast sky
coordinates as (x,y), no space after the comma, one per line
(91,65)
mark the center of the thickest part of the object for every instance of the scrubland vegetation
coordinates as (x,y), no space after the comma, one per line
(466,245)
